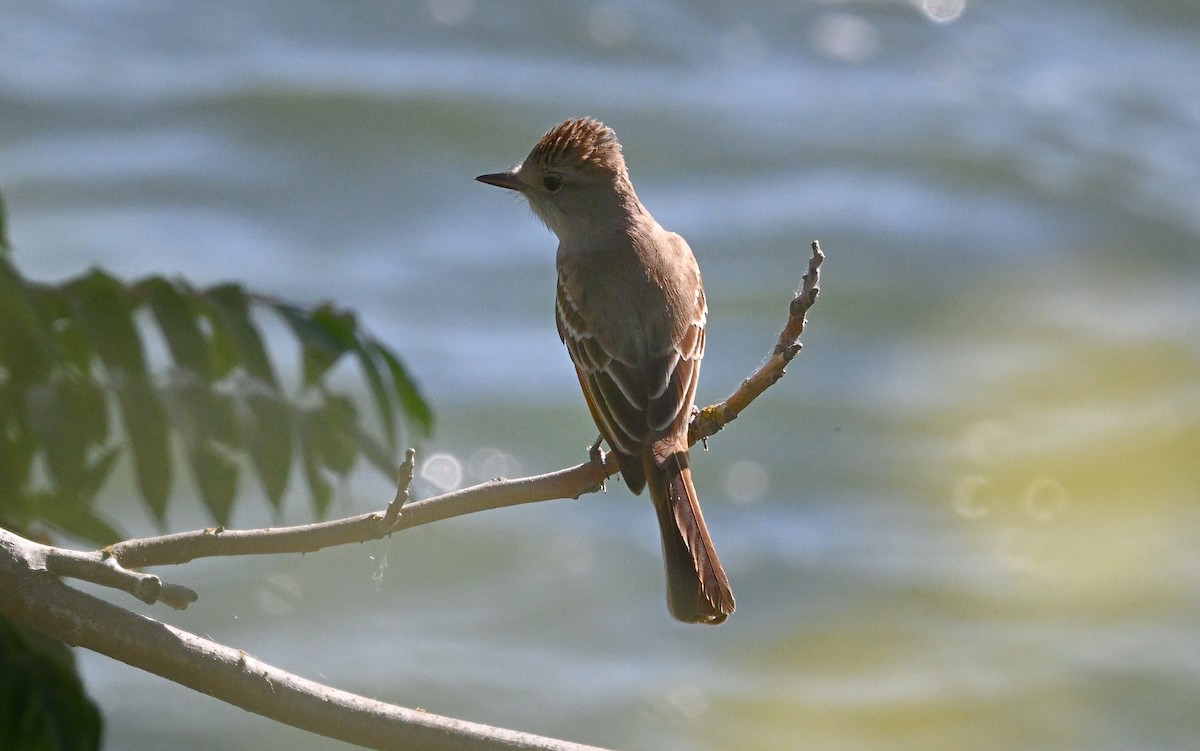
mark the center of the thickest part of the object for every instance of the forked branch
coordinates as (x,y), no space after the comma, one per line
(571,482)
(31,591)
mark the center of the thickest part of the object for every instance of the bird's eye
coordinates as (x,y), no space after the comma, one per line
(552,183)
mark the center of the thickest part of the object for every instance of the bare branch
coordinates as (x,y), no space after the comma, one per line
(31,592)
(182,547)
(397,505)
(714,417)
(31,595)
(400,514)
(100,568)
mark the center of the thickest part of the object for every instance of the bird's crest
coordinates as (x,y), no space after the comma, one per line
(579,142)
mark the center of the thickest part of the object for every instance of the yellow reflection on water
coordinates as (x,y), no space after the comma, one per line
(1071,419)
(1050,597)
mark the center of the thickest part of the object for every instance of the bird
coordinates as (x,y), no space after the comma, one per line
(631,310)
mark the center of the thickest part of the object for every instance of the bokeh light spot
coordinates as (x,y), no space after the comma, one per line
(443,471)
(942,11)
(965,498)
(842,36)
(747,481)
(450,12)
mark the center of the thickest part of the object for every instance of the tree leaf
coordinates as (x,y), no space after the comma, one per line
(324,334)
(97,471)
(218,421)
(329,431)
(378,455)
(222,352)
(267,428)
(26,350)
(379,392)
(340,326)
(72,516)
(177,319)
(328,446)
(66,338)
(229,310)
(17,444)
(415,408)
(222,395)
(318,486)
(200,413)
(145,421)
(104,311)
(68,415)
(74,346)
(217,477)
(45,705)
(4,248)
(202,417)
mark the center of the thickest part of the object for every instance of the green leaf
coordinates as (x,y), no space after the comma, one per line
(415,407)
(97,471)
(74,344)
(222,352)
(267,430)
(217,477)
(219,420)
(4,247)
(327,446)
(329,430)
(43,704)
(177,319)
(69,342)
(200,413)
(222,396)
(73,517)
(26,350)
(17,444)
(325,334)
(104,311)
(229,311)
(68,415)
(383,400)
(145,421)
(340,326)
(203,417)
(318,486)
(378,455)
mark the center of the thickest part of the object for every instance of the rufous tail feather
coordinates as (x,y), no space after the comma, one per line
(697,588)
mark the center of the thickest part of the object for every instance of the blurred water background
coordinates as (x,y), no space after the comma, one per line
(968,517)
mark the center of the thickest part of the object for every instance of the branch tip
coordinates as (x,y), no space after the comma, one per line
(177,597)
(572,482)
(403,481)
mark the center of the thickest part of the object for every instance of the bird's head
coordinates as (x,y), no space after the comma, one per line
(574,178)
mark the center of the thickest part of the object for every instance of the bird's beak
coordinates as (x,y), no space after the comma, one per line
(503,180)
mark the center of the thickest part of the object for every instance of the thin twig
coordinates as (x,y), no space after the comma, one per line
(105,570)
(182,547)
(402,484)
(32,593)
(714,417)
(400,514)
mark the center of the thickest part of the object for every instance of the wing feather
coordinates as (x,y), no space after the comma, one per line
(635,403)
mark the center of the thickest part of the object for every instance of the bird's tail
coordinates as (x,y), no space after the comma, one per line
(697,588)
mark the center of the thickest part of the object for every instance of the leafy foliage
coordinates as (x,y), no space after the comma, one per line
(77,393)
(42,701)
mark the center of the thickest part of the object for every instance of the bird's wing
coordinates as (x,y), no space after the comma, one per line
(631,402)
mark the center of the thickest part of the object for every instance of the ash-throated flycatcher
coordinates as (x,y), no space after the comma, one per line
(631,310)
